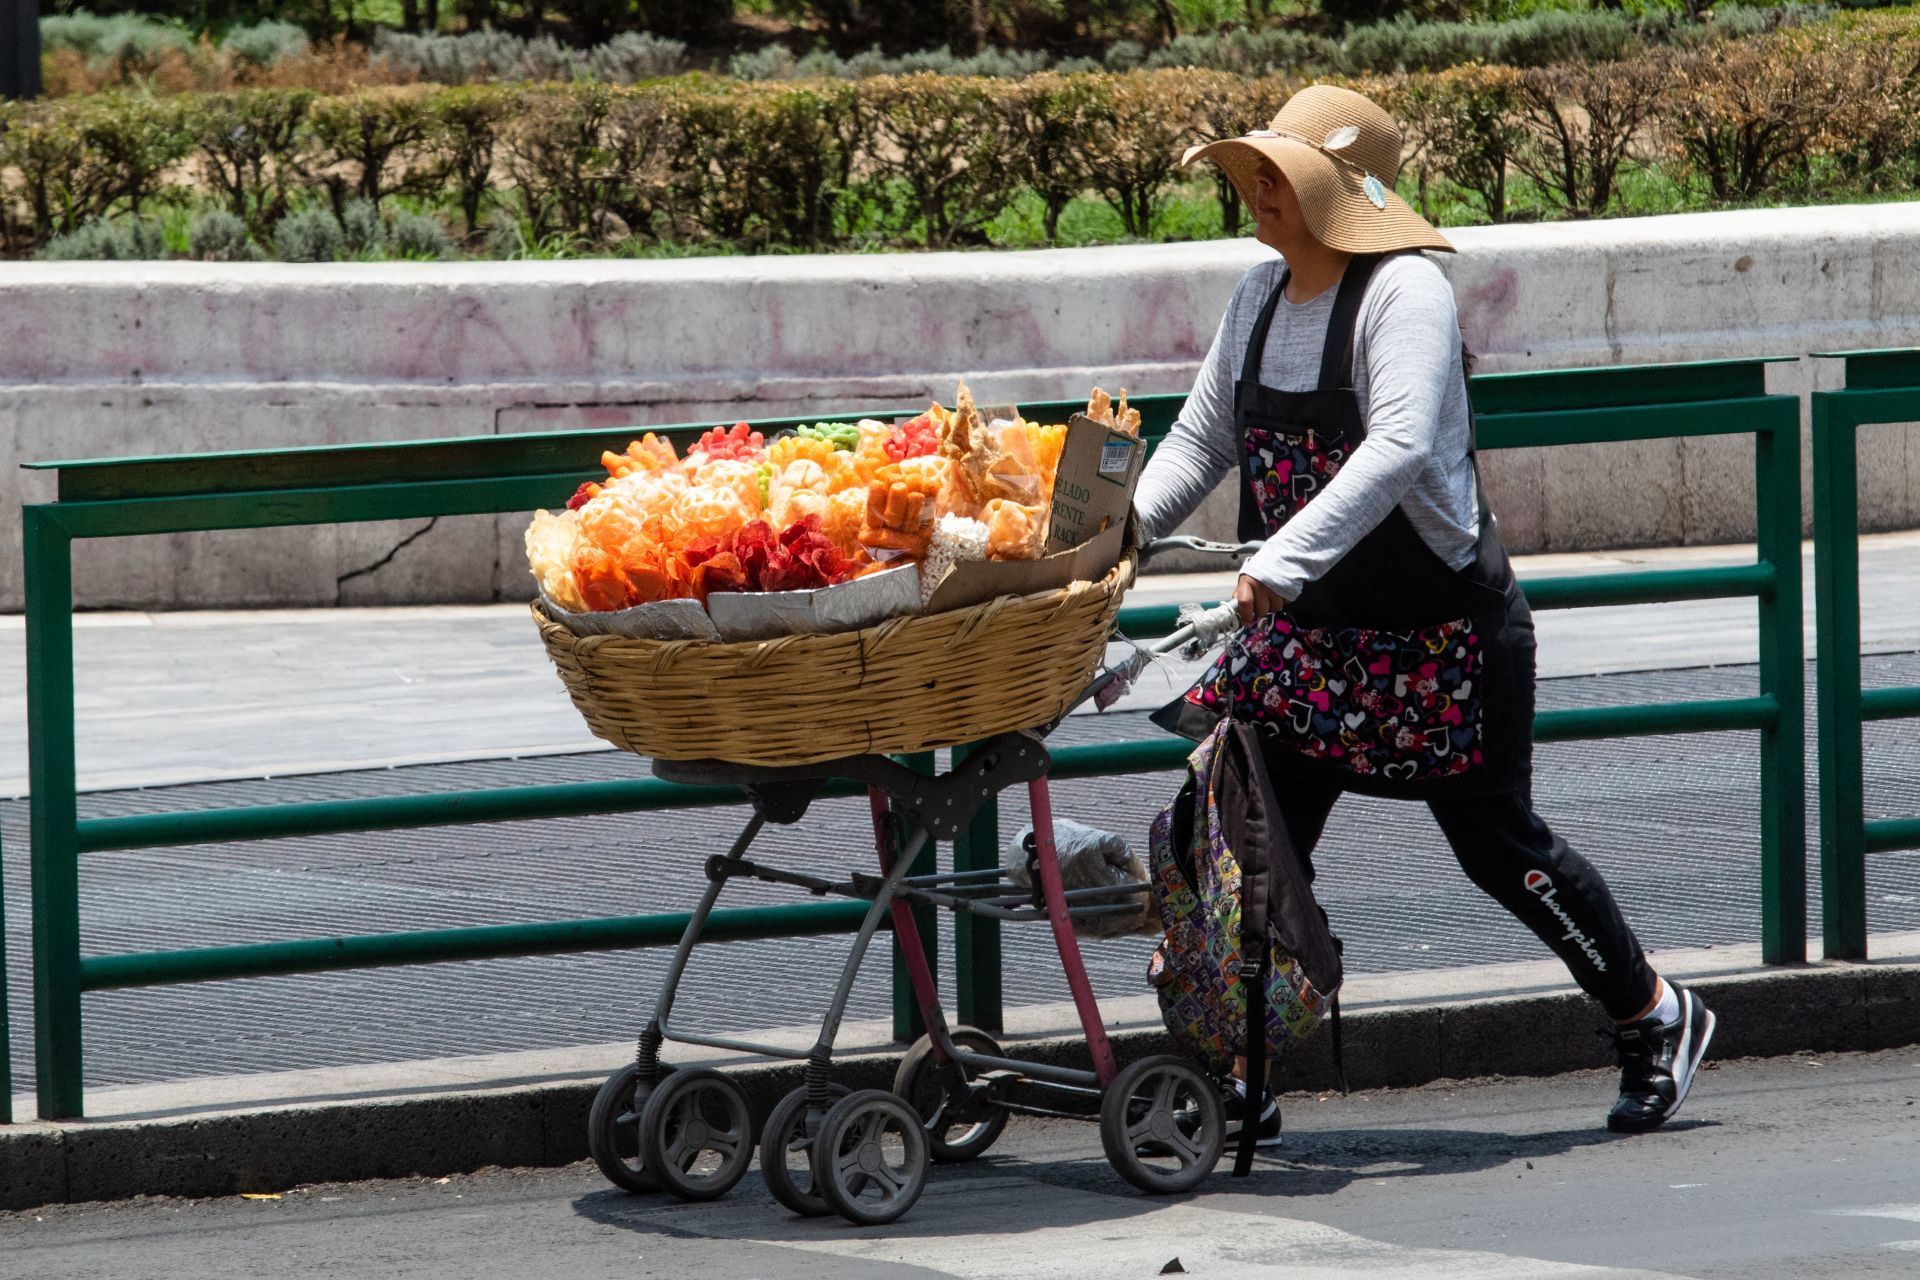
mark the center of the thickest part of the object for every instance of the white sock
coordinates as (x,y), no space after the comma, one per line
(1668,1010)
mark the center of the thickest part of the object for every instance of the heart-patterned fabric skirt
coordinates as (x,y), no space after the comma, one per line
(1383,705)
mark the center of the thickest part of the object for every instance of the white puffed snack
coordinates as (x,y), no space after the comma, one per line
(955,539)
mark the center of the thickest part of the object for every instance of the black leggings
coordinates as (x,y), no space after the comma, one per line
(1507,851)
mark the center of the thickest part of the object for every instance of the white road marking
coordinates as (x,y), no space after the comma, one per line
(1899,1212)
(1053,1232)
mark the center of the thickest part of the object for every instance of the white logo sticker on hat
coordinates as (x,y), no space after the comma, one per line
(1375,191)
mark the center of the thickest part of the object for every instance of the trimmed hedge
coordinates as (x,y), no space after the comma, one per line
(697,164)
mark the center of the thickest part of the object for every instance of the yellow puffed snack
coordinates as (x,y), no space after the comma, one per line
(742,478)
(797,491)
(550,540)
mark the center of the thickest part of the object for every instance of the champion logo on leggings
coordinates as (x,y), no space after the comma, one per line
(1541,885)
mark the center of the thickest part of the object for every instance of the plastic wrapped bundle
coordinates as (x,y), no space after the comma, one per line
(955,539)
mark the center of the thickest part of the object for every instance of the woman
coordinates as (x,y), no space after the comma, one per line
(1385,646)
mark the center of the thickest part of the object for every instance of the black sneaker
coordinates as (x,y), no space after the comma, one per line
(1266,1130)
(1657,1064)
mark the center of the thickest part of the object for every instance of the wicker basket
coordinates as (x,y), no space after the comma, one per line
(909,684)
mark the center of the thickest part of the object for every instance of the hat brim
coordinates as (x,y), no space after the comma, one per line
(1333,197)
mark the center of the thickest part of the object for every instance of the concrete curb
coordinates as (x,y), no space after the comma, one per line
(1402,1038)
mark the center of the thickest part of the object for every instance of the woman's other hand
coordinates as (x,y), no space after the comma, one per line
(1256,599)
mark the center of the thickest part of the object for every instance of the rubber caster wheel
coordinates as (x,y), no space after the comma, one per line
(696,1134)
(613,1132)
(870,1159)
(1162,1125)
(953,1133)
(786,1153)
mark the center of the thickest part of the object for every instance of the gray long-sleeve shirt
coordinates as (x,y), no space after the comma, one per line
(1408,379)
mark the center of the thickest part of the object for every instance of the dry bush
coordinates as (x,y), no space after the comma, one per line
(1152,117)
(467,122)
(1744,116)
(1050,120)
(1465,124)
(1582,123)
(945,141)
(249,145)
(1228,107)
(370,144)
(578,153)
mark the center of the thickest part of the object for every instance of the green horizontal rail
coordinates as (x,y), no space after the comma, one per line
(1886,835)
(1619,424)
(489,942)
(382,813)
(1649,586)
(1567,591)
(1890,704)
(1704,715)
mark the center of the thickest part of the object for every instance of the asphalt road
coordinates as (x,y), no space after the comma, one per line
(1797,1167)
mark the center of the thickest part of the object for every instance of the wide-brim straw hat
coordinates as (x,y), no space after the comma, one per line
(1341,153)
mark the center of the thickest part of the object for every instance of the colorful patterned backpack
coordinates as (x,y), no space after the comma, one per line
(1224,877)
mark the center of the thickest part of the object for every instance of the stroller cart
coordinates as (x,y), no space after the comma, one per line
(865,1154)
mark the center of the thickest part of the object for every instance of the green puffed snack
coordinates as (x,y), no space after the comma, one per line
(844,436)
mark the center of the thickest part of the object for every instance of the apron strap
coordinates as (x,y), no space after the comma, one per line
(1336,358)
(1257,340)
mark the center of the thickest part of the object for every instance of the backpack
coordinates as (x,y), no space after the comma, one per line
(1236,905)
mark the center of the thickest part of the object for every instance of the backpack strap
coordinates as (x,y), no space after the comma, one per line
(1255,951)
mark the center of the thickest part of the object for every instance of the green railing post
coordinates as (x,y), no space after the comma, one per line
(908,1024)
(6,1022)
(1836,603)
(1783,779)
(55,860)
(976,939)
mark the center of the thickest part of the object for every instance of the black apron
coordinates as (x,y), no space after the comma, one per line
(1392,674)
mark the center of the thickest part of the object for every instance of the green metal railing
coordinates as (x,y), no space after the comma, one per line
(113,498)
(1881,387)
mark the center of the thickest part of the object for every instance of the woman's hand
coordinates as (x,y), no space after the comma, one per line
(1256,599)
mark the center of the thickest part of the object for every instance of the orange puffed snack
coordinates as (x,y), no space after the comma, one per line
(649,453)
(1048,443)
(842,519)
(621,560)
(713,512)
(1014,531)
(900,507)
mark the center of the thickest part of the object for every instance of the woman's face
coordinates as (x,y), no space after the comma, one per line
(1276,209)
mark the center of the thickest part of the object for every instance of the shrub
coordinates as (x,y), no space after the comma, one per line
(1581,121)
(1050,119)
(361,229)
(310,235)
(1152,116)
(248,145)
(1228,107)
(577,151)
(466,134)
(101,240)
(632,57)
(944,142)
(217,235)
(265,43)
(1246,52)
(420,236)
(1466,121)
(358,140)
(1742,113)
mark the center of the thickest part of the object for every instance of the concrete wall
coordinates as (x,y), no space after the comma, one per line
(119,359)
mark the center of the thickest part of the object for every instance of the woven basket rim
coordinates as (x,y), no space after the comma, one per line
(968,617)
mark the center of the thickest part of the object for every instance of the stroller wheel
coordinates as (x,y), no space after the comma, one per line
(696,1134)
(956,1130)
(786,1153)
(870,1158)
(1162,1125)
(613,1132)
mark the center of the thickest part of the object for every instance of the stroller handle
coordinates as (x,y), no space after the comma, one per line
(1235,551)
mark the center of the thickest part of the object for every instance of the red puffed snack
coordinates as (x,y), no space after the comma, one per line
(739,443)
